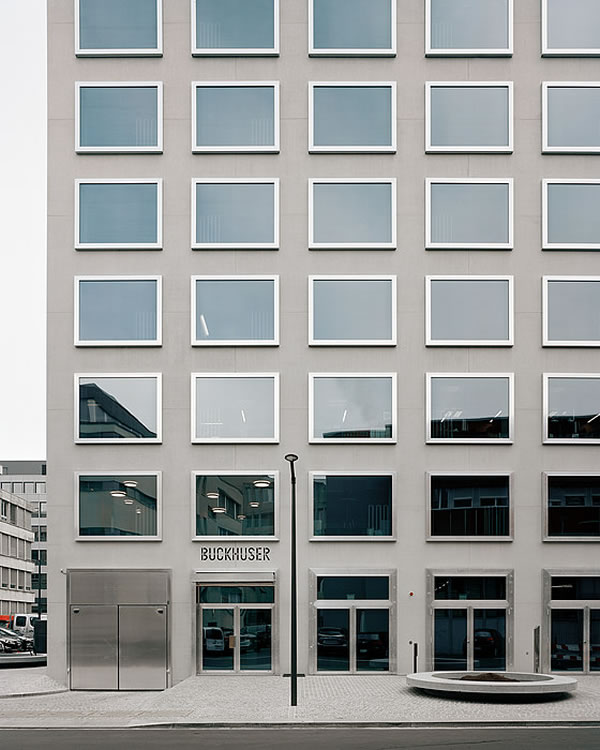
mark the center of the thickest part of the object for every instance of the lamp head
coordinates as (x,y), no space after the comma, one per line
(291,457)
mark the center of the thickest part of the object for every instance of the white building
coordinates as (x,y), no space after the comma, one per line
(16,538)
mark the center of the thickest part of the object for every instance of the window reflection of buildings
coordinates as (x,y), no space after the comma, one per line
(242,509)
(102,416)
(103,514)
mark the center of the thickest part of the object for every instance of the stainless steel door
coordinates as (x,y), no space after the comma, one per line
(94,657)
(142,647)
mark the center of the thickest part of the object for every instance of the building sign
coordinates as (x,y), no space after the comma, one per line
(235,554)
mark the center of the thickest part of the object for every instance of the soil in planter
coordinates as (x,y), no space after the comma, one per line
(487,677)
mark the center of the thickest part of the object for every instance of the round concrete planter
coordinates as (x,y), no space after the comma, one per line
(528,684)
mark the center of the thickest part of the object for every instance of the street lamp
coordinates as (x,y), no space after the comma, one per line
(292,458)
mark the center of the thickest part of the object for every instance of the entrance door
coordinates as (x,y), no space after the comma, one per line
(353,639)
(236,639)
(94,647)
(142,647)
(575,640)
(467,638)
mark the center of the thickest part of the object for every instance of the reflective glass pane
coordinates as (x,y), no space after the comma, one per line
(573,24)
(353,587)
(573,216)
(236,594)
(113,408)
(352,310)
(352,24)
(575,587)
(470,310)
(470,506)
(118,24)
(352,212)
(217,639)
(352,408)
(352,505)
(372,640)
(470,587)
(235,116)
(450,639)
(595,640)
(469,408)
(238,407)
(255,639)
(119,116)
(123,505)
(574,311)
(235,213)
(235,24)
(489,639)
(573,114)
(469,213)
(469,24)
(469,116)
(333,643)
(574,408)
(123,310)
(232,310)
(232,505)
(118,213)
(566,640)
(353,116)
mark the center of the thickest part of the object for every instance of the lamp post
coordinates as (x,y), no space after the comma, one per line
(292,458)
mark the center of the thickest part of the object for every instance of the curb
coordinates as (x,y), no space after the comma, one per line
(508,724)
(41,692)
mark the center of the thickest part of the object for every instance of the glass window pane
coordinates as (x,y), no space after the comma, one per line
(352,24)
(352,310)
(113,408)
(469,213)
(235,213)
(233,505)
(573,114)
(566,640)
(352,408)
(573,408)
(350,116)
(119,116)
(255,639)
(470,408)
(118,24)
(236,594)
(353,587)
(235,24)
(594,640)
(372,640)
(470,587)
(573,216)
(469,116)
(469,506)
(489,639)
(235,310)
(123,310)
(450,639)
(230,116)
(217,643)
(351,213)
(469,24)
(574,506)
(118,213)
(333,640)
(118,505)
(575,587)
(352,505)
(470,310)
(573,24)
(574,311)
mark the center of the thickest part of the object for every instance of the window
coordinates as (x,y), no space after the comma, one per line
(352,214)
(235,408)
(235,27)
(352,27)
(118,214)
(352,117)
(571,220)
(117,311)
(237,117)
(111,28)
(570,112)
(571,307)
(118,117)
(352,505)
(234,504)
(571,408)
(570,28)
(118,506)
(352,310)
(468,27)
(469,408)
(39,555)
(469,117)
(235,214)
(352,408)
(572,506)
(469,587)
(469,310)
(469,507)
(469,214)
(118,408)
(235,310)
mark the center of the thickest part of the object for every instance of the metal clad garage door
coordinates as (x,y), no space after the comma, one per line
(142,647)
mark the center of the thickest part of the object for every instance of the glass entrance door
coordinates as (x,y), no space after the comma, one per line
(466,638)
(353,640)
(575,640)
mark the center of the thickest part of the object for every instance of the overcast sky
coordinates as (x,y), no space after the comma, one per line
(22,229)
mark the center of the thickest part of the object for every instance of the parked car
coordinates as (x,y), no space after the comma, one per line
(214,639)
(372,645)
(25,643)
(8,643)
(486,643)
(249,642)
(23,623)
(332,638)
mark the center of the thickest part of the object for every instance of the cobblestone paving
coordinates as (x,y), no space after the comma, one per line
(24,680)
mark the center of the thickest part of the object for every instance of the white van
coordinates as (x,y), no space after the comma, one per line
(23,623)
(214,639)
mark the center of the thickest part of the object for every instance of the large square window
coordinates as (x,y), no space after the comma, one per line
(235,408)
(352,117)
(469,117)
(237,117)
(118,117)
(469,214)
(118,507)
(572,506)
(352,27)
(570,28)
(469,310)
(469,408)
(118,214)
(571,310)
(572,408)
(235,214)
(570,216)
(117,311)
(352,310)
(235,310)
(570,113)
(468,27)
(110,28)
(235,27)
(118,408)
(352,408)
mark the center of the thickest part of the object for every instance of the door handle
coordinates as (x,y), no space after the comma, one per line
(76,610)
(160,611)
(232,641)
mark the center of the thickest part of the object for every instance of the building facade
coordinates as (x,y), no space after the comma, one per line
(359,230)
(16,568)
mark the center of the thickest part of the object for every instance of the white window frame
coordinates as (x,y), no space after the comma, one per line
(391,149)
(158,245)
(431,245)
(122,441)
(238,342)
(274,376)
(468,51)
(247,538)
(430,149)
(547,149)
(313,245)
(238,51)
(237,245)
(312,537)
(546,341)
(563,441)
(119,149)
(546,537)
(392,341)
(430,341)
(430,537)
(355,52)
(108,342)
(509,376)
(269,149)
(120,539)
(546,244)
(548,51)
(125,51)
(391,376)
